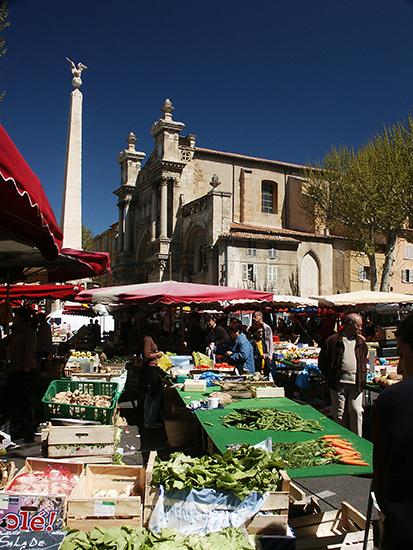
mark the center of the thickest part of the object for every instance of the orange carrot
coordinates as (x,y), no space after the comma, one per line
(354,462)
(340,445)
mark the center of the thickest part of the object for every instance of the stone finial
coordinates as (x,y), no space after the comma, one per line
(167,109)
(214,181)
(131,142)
(76,72)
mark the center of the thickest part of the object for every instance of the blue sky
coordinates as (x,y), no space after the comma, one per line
(282,80)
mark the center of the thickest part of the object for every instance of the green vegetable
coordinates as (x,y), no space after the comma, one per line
(126,538)
(304,454)
(240,471)
(270,419)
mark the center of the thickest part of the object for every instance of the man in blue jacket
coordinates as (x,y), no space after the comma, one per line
(242,354)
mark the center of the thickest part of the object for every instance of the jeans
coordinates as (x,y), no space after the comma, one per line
(152,408)
(348,395)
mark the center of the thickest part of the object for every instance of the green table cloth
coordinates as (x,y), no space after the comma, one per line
(223,436)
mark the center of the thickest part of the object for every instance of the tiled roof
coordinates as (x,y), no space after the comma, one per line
(243,236)
(249,158)
(255,231)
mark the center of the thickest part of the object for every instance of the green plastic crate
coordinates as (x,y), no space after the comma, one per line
(83,412)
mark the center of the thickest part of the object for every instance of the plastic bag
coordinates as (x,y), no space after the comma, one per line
(202,359)
(164,363)
(202,511)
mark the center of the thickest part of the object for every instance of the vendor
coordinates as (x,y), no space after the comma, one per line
(258,321)
(218,339)
(258,342)
(242,355)
(152,378)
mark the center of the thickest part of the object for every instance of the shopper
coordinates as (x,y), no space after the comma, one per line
(242,355)
(21,344)
(217,338)
(195,336)
(152,378)
(393,448)
(44,342)
(258,320)
(342,360)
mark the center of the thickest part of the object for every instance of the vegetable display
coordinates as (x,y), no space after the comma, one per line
(270,419)
(126,538)
(80,398)
(53,481)
(328,449)
(240,471)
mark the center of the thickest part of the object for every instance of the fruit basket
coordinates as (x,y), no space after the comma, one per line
(103,415)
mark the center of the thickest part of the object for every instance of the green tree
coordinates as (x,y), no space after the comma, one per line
(87,238)
(367,195)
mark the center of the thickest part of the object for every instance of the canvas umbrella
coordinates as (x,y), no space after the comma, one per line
(26,216)
(363,298)
(170,293)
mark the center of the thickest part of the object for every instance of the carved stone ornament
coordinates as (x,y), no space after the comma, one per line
(76,72)
(214,181)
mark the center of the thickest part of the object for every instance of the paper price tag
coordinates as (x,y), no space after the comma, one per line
(4,502)
(104,508)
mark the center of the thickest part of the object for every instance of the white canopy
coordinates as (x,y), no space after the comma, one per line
(364,297)
(281,300)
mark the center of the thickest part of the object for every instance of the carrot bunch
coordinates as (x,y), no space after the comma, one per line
(342,451)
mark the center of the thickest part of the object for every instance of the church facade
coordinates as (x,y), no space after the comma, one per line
(199,215)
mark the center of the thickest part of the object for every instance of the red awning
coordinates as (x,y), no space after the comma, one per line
(171,292)
(25,213)
(80,264)
(30,266)
(32,292)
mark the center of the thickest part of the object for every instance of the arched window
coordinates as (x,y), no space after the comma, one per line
(269,199)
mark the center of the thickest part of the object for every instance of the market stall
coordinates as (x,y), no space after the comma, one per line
(223,437)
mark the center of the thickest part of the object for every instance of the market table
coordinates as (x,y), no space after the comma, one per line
(222,436)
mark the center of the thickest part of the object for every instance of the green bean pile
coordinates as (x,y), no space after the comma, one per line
(270,419)
(303,454)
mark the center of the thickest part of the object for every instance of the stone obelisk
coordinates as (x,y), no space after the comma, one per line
(71,221)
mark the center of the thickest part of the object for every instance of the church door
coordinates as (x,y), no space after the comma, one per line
(309,277)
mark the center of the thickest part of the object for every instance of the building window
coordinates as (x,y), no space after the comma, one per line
(249,272)
(252,249)
(272,273)
(408,252)
(269,197)
(272,253)
(364,273)
(407,275)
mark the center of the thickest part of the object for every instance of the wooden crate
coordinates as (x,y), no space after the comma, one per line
(87,442)
(195,385)
(85,510)
(261,392)
(260,524)
(331,530)
(34,503)
(151,493)
(273,516)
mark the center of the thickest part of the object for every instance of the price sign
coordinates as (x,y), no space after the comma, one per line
(22,540)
